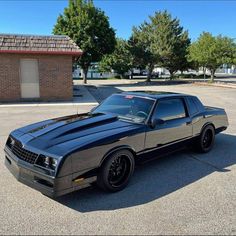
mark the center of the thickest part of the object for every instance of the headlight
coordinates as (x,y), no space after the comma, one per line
(47,162)
(54,163)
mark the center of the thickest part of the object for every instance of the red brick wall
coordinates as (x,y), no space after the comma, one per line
(9,78)
(55,77)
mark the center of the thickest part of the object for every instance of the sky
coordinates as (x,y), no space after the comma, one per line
(39,16)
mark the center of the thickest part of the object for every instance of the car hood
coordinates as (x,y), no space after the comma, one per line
(71,131)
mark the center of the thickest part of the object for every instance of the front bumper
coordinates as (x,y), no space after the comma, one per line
(31,176)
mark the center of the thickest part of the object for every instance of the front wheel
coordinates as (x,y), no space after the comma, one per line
(116,171)
(206,139)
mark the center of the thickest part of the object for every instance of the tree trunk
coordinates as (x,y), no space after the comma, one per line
(171,75)
(204,73)
(212,75)
(131,74)
(85,73)
(149,75)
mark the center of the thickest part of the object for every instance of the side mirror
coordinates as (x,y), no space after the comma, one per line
(156,121)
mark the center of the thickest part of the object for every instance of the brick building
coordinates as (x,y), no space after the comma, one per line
(36,67)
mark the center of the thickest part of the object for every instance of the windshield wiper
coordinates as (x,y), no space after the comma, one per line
(126,118)
(133,119)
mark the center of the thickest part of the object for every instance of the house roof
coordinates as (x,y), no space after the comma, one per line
(40,44)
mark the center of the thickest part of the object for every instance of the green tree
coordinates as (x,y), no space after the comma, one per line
(120,60)
(140,48)
(211,52)
(89,27)
(161,41)
(169,42)
(234,53)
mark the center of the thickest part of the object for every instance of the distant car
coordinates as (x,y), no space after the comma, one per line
(144,72)
(61,155)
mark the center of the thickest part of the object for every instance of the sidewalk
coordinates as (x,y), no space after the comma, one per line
(81,97)
(217,84)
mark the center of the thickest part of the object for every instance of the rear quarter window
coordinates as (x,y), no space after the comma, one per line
(199,104)
(192,106)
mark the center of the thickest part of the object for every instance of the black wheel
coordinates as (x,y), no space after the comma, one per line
(206,139)
(116,171)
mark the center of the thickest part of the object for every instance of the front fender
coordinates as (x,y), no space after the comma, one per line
(93,156)
(121,147)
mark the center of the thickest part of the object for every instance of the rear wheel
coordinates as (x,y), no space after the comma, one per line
(116,171)
(206,139)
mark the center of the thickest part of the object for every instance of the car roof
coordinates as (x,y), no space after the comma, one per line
(154,94)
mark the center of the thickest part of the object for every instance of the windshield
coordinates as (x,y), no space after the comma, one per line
(127,107)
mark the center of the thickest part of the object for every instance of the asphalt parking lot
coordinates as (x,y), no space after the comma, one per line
(185,193)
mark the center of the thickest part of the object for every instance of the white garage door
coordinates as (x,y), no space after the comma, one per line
(29,78)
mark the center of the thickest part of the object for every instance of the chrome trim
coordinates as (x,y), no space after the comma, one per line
(166,145)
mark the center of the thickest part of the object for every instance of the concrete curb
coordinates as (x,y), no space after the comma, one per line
(85,99)
(49,104)
(216,85)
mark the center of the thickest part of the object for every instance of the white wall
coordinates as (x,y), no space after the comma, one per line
(79,74)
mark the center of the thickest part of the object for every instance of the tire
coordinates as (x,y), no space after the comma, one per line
(206,140)
(116,171)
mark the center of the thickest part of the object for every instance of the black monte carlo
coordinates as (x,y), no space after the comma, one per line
(61,155)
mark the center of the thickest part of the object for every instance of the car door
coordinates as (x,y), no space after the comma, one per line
(176,126)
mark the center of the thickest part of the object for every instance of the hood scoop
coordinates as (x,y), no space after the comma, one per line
(72,124)
(80,127)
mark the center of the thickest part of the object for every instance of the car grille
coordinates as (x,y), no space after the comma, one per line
(20,152)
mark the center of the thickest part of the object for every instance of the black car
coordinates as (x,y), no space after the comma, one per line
(61,155)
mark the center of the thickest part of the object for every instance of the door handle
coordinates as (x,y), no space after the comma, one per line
(189,122)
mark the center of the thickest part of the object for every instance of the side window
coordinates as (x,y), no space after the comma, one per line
(193,109)
(169,109)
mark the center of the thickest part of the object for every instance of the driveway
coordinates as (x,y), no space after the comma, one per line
(184,193)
